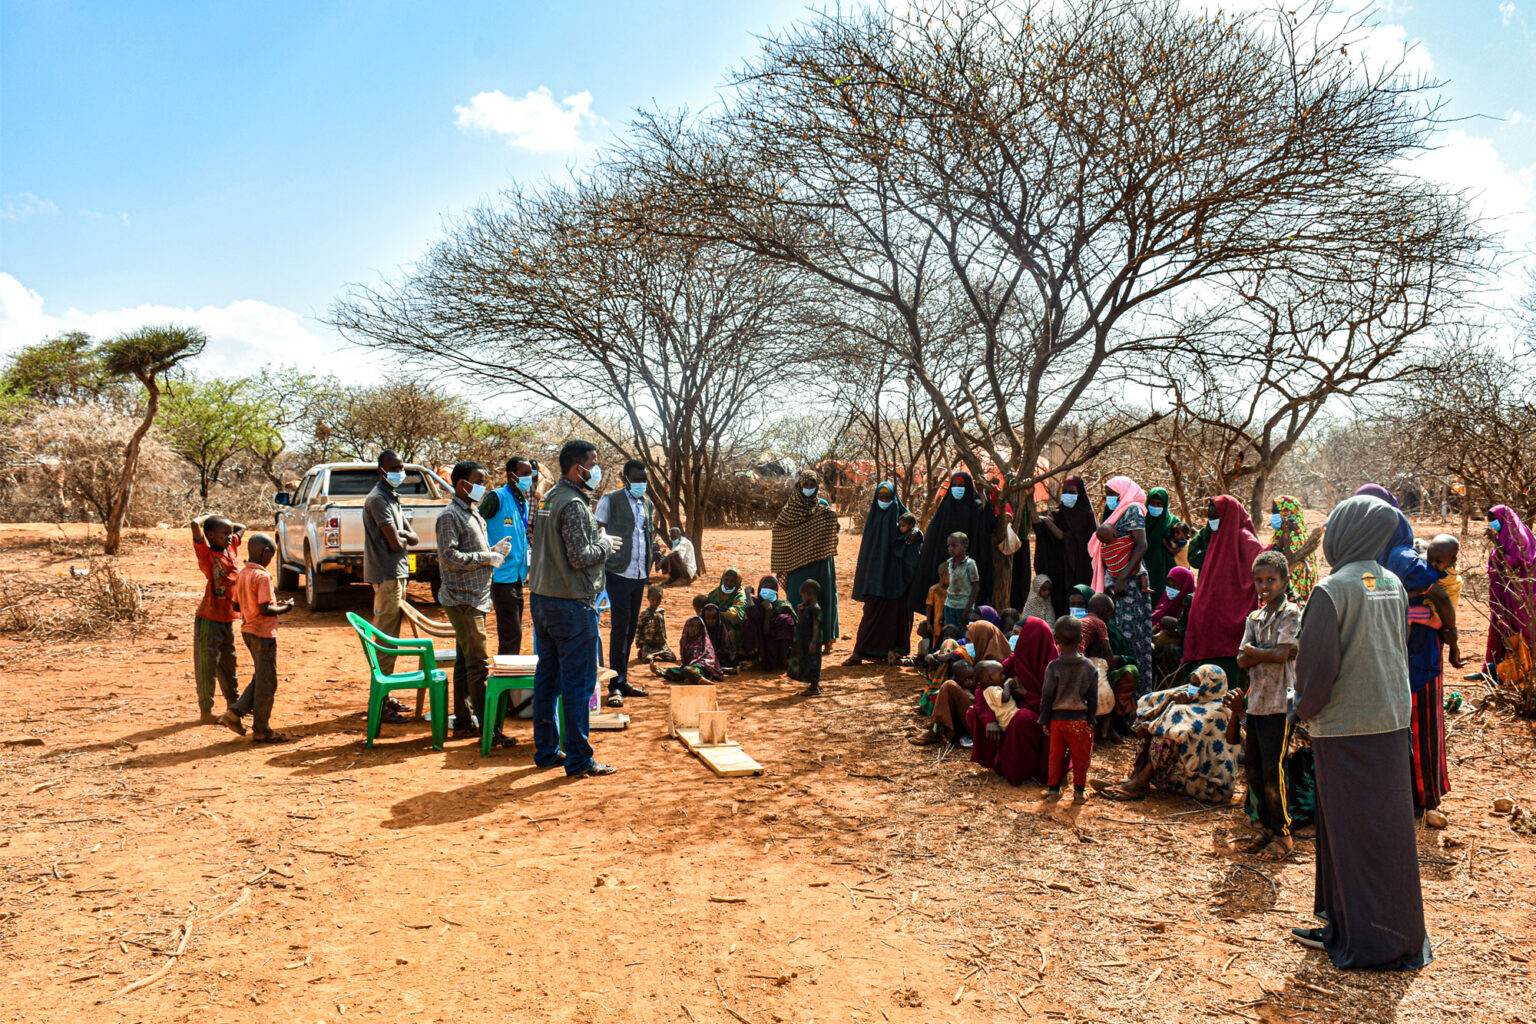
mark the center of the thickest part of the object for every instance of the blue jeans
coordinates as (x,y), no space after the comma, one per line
(953,617)
(565,632)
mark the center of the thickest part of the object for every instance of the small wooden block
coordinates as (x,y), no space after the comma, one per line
(728,760)
(712,727)
(686,703)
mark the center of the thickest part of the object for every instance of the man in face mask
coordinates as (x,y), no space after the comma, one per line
(387,539)
(625,512)
(467,560)
(679,563)
(508,515)
(569,554)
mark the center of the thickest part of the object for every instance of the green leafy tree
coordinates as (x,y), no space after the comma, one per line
(208,423)
(146,355)
(63,370)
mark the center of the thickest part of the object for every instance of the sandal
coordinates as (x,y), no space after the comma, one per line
(1258,843)
(926,738)
(1121,795)
(271,737)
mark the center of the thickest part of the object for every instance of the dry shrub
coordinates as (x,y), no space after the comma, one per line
(70,607)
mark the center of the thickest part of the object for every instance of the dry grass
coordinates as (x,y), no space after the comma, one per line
(97,601)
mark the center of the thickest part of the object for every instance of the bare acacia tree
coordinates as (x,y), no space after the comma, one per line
(573,298)
(1085,177)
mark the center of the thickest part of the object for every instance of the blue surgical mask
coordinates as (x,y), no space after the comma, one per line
(677,542)
(957,493)
(1180,543)
(809,492)
(884,504)
(1154,510)
(1069,499)
(768,595)
(1112,502)
(1079,613)
(1172,592)
(524,483)
(638,490)
(594,478)
(1495,525)
(395,479)
(1274,520)
(476,492)
(1214,524)
(727,590)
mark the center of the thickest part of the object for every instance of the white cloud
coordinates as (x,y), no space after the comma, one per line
(1512,117)
(1507,12)
(22,205)
(535,123)
(1503,196)
(242,336)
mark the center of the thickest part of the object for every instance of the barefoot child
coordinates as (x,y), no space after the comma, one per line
(1069,704)
(651,631)
(700,664)
(964,591)
(1268,652)
(935,605)
(216,542)
(258,627)
(805,653)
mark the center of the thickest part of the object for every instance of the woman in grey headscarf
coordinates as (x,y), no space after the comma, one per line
(1352,693)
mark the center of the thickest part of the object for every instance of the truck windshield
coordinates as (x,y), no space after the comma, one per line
(356,483)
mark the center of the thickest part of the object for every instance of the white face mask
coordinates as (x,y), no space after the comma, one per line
(594,478)
(1069,499)
(476,492)
(1154,510)
(768,595)
(883,504)
(1214,524)
(958,493)
(809,492)
(395,479)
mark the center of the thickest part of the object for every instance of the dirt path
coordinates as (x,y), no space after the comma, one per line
(858,879)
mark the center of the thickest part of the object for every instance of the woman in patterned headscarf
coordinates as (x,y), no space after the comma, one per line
(1184,746)
(805,548)
(1298,544)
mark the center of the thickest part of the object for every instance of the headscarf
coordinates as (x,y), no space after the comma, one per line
(805,530)
(1401,558)
(1511,579)
(1376,491)
(699,651)
(1131,496)
(1303,573)
(1038,606)
(1357,530)
(987,612)
(1159,529)
(1031,656)
(988,640)
(971,515)
(717,634)
(1184,580)
(1066,560)
(1204,765)
(779,605)
(880,571)
(1085,592)
(1226,594)
(733,607)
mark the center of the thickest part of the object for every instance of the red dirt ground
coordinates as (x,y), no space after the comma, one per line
(858,879)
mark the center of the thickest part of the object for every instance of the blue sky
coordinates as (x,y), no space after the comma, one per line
(236,164)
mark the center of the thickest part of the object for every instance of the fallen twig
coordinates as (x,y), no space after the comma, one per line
(186,935)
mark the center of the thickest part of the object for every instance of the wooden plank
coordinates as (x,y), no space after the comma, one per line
(728,760)
(712,727)
(691,740)
(686,701)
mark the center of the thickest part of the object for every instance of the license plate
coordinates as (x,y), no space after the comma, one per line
(411,563)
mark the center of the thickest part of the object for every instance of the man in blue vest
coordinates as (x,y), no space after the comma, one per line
(627,514)
(565,576)
(507,514)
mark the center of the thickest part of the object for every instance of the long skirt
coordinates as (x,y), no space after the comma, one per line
(824,573)
(950,704)
(884,628)
(1431,781)
(1019,755)
(1133,618)
(1367,854)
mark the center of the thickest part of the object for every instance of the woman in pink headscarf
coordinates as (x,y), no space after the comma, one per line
(1225,595)
(1511,587)
(1117,549)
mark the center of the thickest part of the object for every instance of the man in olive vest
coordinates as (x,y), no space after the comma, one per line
(568,553)
(626,513)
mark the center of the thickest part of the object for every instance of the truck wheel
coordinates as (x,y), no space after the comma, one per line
(319,592)
(287,579)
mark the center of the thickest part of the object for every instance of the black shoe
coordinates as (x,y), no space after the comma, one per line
(1321,915)
(1309,937)
(595,770)
(501,739)
(624,689)
(615,699)
(465,734)
(554,762)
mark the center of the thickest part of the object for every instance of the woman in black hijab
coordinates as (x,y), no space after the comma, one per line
(1061,542)
(963,510)
(1353,696)
(888,553)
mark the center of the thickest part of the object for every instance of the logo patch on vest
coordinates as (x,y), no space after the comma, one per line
(1368,581)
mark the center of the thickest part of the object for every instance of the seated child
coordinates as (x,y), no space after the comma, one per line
(939,664)
(769,628)
(947,721)
(651,633)
(699,663)
(720,637)
(1069,702)
(805,650)
(924,645)
(1010,621)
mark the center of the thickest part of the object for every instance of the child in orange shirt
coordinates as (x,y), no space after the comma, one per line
(258,627)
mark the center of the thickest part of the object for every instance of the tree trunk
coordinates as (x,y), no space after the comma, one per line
(118,510)
(1256,503)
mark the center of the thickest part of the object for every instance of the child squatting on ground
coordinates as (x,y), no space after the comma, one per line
(216,542)
(258,627)
(1268,652)
(1069,704)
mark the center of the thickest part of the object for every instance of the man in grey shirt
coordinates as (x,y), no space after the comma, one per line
(467,561)
(386,542)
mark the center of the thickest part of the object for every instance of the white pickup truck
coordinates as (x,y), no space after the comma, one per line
(320,527)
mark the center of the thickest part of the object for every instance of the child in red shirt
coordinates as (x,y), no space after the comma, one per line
(258,627)
(215,541)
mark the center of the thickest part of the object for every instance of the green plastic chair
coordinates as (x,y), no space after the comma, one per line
(497,687)
(429,676)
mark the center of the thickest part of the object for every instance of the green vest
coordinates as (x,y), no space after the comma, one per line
(621,524)
(550,573)
(1371,695)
